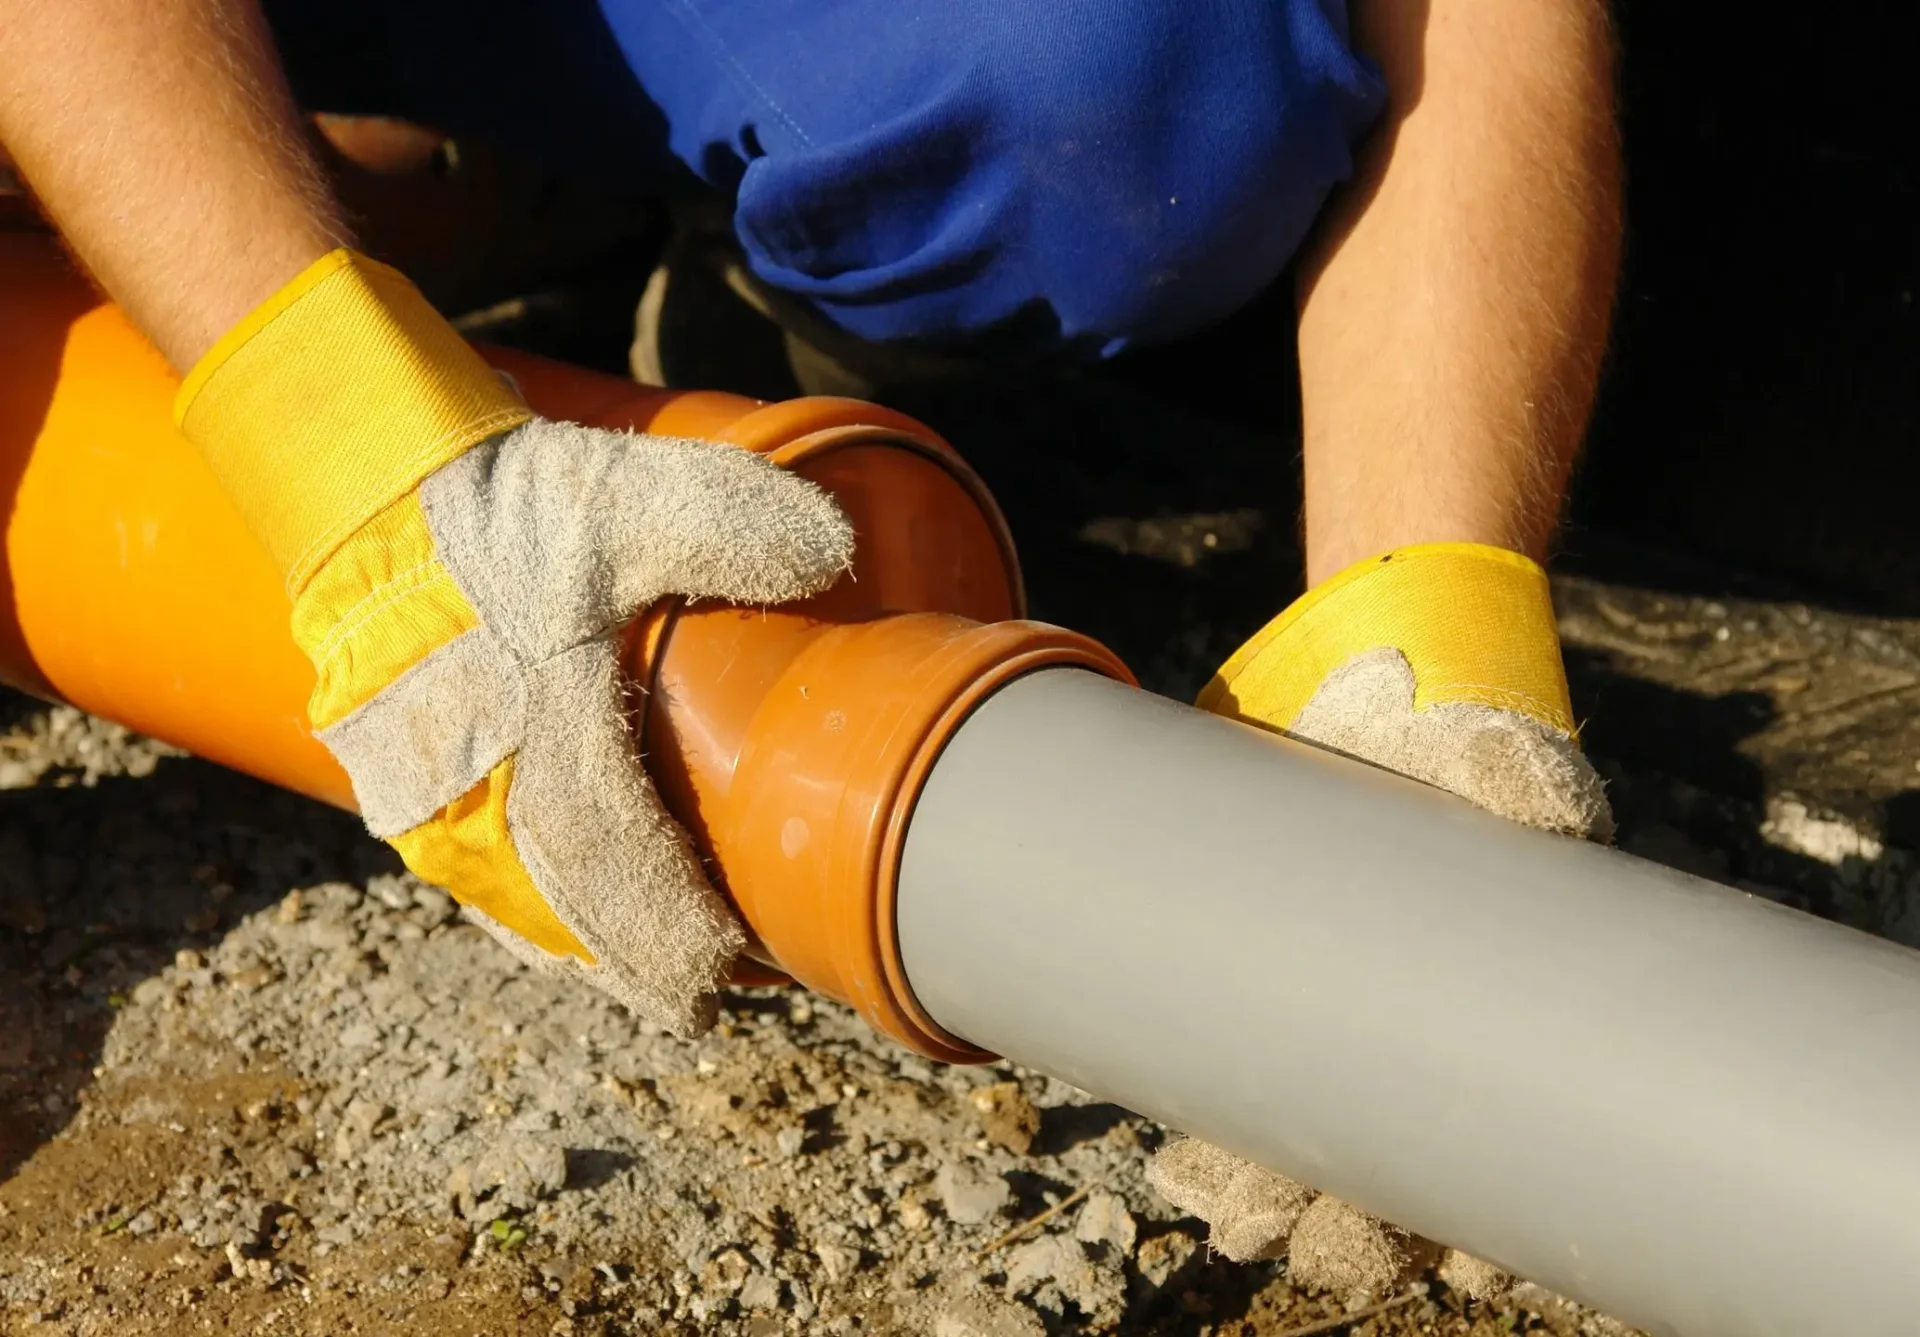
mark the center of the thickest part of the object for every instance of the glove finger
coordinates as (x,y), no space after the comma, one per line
(1473,1277)
(555,532)
(1252,1213)
(1339,1248)
(720,522)
(607,858)
(1249,1211)
(1500,760)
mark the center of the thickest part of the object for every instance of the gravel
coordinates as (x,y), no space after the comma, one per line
(255,1077)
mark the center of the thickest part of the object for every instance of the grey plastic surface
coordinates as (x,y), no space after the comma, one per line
(1680,1103)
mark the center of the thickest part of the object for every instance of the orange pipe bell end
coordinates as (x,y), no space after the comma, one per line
(791,743)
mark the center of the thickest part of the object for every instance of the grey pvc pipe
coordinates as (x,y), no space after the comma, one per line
(1691,1108)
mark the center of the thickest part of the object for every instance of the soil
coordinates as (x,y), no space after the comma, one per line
(253,1077)
(256,1079)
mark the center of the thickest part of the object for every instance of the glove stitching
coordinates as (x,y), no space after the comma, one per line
(1487,694)
(336,533)
(380,598)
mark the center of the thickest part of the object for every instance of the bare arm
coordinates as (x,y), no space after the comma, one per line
(1454,307)
(160,136)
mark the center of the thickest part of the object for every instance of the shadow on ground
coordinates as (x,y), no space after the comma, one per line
(1741,555)
(102,885)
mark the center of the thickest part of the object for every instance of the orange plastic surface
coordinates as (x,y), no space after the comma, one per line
(790,742)
(131,588)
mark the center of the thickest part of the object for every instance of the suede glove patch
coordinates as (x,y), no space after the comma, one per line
(460,571)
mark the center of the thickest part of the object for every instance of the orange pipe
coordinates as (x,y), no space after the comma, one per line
(790,742)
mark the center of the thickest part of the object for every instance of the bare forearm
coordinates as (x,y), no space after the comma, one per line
(160,136)
(1454,308)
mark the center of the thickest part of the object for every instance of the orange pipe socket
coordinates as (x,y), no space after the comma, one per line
(791,742)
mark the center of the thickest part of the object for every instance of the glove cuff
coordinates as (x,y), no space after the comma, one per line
(333,399)
(1475,623)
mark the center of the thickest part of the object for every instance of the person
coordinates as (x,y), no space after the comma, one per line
(1019,180)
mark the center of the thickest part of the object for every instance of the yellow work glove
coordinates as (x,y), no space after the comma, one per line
(1441,662)
(460,570)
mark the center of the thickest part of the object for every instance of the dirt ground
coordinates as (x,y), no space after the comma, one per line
(254,1078)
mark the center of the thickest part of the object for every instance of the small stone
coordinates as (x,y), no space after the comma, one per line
(432,906)
(1036,1261)
(438,1127)
(760,1291)
(983,1316)
(289,908)
(513,1174)
(970,1193)
(1104,1219)
(330,935)
(637,1096)
(253,978)
(1165,1257)
(1007,1117)
(395,893)
(836,1260)
(358,1123)
(248,1269)
(725,1273)
(360,1035)
(914,1215)
(365,1117)
(1056,1263)
(283,1162)
(789,1141)
(188,959)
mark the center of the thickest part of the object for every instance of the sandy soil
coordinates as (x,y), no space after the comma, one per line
(256,1078)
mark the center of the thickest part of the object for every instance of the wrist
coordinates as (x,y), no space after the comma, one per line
(1474,621)
(1329,554)
(332,400)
